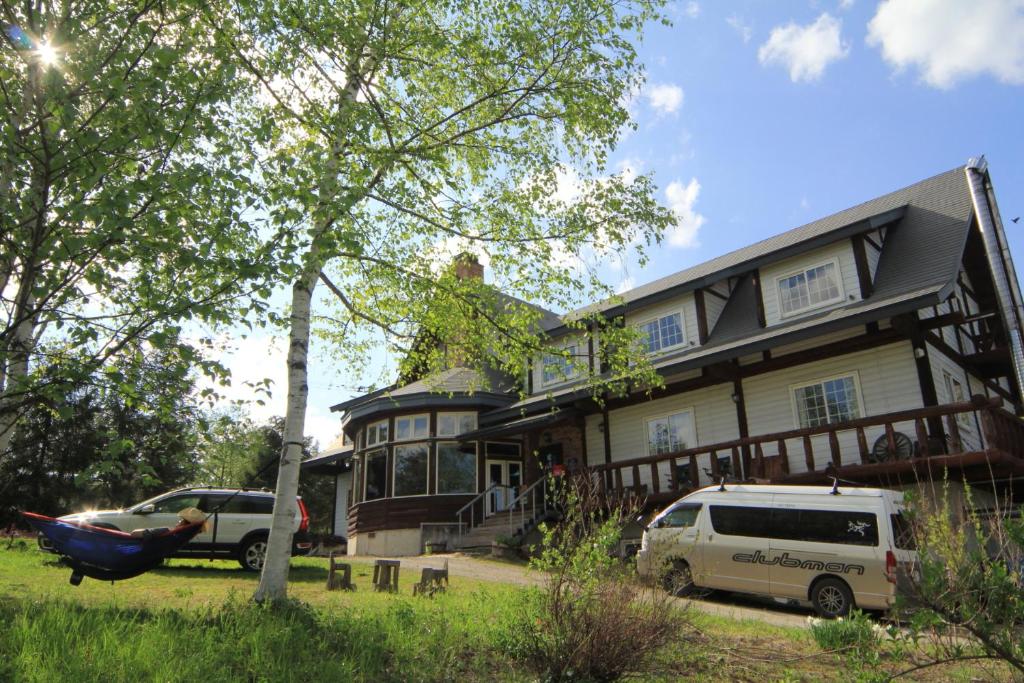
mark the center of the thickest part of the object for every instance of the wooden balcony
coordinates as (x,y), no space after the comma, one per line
(975,439)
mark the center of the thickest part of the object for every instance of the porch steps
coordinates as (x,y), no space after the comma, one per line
(498,525)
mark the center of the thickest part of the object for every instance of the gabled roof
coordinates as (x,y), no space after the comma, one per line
(919,263)
(943,197)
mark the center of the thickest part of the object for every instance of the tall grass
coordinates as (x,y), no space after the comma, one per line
(408,640)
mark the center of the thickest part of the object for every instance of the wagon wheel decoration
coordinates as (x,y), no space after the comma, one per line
(903,448)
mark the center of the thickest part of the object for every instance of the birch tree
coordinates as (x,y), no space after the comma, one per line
(401,133)
(122,195)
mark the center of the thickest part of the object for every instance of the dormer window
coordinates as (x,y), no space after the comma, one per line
(809,289)
(663,333)
(560,368)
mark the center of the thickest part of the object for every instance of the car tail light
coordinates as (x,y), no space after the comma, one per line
(890,566)
(304,524)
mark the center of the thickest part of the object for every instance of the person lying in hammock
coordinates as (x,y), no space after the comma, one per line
(110,555)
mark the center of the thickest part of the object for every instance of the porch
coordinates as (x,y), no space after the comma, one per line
(977,440)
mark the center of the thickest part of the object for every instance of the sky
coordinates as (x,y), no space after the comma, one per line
(758,117)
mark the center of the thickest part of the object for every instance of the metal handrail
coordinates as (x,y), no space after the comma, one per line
(471,506)
(520,499)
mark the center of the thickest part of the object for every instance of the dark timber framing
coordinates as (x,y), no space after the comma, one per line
(702,317)
(860,258)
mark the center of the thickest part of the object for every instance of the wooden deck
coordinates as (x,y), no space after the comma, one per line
(978,438)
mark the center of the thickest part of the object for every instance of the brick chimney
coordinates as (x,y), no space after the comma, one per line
(468,267)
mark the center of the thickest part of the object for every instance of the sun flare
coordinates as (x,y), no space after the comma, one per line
(47,54)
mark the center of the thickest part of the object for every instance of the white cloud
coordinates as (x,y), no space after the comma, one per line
(846,4)
(737,24)
(951,40)
(665,98)
(627,284)
(681,199)
(805,50)
(692,9)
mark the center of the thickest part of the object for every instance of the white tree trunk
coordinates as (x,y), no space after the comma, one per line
(14,371)
(274,578)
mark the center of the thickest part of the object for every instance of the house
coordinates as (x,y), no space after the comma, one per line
(880,345)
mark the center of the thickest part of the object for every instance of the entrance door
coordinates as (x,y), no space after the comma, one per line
(509,475)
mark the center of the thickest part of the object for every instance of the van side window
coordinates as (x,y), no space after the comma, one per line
(681,517)
(826,526)
(736,520)
(902,532)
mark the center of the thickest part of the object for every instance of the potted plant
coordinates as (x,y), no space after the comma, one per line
(435,547)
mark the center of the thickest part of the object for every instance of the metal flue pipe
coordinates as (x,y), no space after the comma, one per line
(997,251)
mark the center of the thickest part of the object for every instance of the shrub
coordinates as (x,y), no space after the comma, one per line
(855,633)
(967,595)
(592,620)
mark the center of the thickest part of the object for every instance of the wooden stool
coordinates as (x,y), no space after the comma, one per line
(339,575)
(385,575)
(431,581)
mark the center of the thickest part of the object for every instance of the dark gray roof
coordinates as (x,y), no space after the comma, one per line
(918,267)
(456,381)
(944,194)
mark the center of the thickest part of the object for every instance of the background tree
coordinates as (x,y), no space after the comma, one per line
(124,199)
(104,448)
(393,129)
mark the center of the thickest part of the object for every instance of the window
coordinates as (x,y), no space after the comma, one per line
(810,288)
(412,427)
(662,333)
(671,433)
(956,394)
(453,424)
(500,451)
(377,433)
(411,469)
(247,505)
(456,468)
(376,475)
(902,532)
(815,526)
(827,402)
(177,503)
(681,517)
(825,526)
(345,441)
(736,520)
(559,367)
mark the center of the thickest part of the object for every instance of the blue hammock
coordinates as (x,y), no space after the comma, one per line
(106,554)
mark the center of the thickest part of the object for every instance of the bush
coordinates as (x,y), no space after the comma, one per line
(592,620)
(856,633)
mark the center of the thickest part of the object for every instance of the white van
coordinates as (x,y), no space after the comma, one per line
(837,548)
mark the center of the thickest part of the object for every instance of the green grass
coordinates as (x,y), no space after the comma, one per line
(194,621)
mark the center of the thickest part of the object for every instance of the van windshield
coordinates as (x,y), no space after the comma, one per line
(682,516)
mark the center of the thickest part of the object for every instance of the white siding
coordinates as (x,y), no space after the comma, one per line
(714,416)
(683,303)
(582,349)
(343,484)
(873,257)
(714,305)
(595,439)
(841,252)
(888,382)
(970,430)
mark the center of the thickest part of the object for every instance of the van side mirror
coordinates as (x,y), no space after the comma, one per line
(146,509)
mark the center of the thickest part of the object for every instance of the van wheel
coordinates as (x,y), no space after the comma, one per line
(253,554)
(831,598)
(678,581)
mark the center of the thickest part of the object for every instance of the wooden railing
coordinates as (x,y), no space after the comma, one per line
(951,428)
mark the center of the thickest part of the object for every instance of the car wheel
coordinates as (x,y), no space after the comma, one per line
(253,554)
(831,598)
(679,581)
